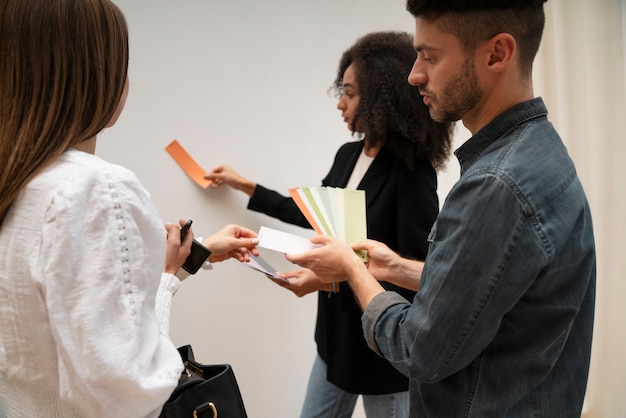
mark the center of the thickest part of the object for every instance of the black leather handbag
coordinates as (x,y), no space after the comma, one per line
(204,391)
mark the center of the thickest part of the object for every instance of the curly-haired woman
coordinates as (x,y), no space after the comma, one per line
(395,163)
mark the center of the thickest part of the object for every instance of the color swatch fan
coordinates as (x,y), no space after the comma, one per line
(334,212)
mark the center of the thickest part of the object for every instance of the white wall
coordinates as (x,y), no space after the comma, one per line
(242,82)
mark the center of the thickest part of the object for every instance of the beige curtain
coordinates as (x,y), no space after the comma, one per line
(580,73)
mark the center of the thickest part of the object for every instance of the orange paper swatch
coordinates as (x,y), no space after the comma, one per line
(188,164)
(302,206)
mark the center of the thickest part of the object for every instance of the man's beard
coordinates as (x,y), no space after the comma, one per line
(461,94)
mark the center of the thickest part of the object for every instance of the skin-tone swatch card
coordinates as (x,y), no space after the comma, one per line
(188,164)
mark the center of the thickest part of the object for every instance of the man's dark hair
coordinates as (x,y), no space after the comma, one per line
(391,111)
(475,21)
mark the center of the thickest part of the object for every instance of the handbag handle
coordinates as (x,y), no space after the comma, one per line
(205,408)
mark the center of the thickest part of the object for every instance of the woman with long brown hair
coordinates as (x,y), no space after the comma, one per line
(87,269)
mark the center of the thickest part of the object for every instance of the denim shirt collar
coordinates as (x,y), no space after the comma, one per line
(471,150)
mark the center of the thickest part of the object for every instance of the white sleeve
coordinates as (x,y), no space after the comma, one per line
(102,268)
(167,289)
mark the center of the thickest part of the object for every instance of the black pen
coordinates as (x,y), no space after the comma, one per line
(184,229)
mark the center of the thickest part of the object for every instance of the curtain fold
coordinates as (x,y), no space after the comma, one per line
(580,73)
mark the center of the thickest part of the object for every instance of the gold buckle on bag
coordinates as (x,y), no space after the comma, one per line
(213,409)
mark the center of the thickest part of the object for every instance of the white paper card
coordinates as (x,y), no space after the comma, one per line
(283,242)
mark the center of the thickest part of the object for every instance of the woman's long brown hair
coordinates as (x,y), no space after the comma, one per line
(62,73)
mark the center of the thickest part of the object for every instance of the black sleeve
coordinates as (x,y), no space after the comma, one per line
(277,206)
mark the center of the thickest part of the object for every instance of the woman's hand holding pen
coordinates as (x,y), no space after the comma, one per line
(176,252)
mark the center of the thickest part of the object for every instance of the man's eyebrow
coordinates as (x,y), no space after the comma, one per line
(424,47)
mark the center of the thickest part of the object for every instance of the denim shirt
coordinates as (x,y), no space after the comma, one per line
(502,323)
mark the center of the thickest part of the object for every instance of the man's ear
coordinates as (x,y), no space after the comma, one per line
(502,51)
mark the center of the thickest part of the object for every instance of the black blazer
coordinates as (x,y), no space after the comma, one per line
(401,206)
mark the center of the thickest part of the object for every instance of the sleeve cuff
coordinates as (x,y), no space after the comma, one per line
(207,264)
(167,289)
(182,274)
(377,306)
